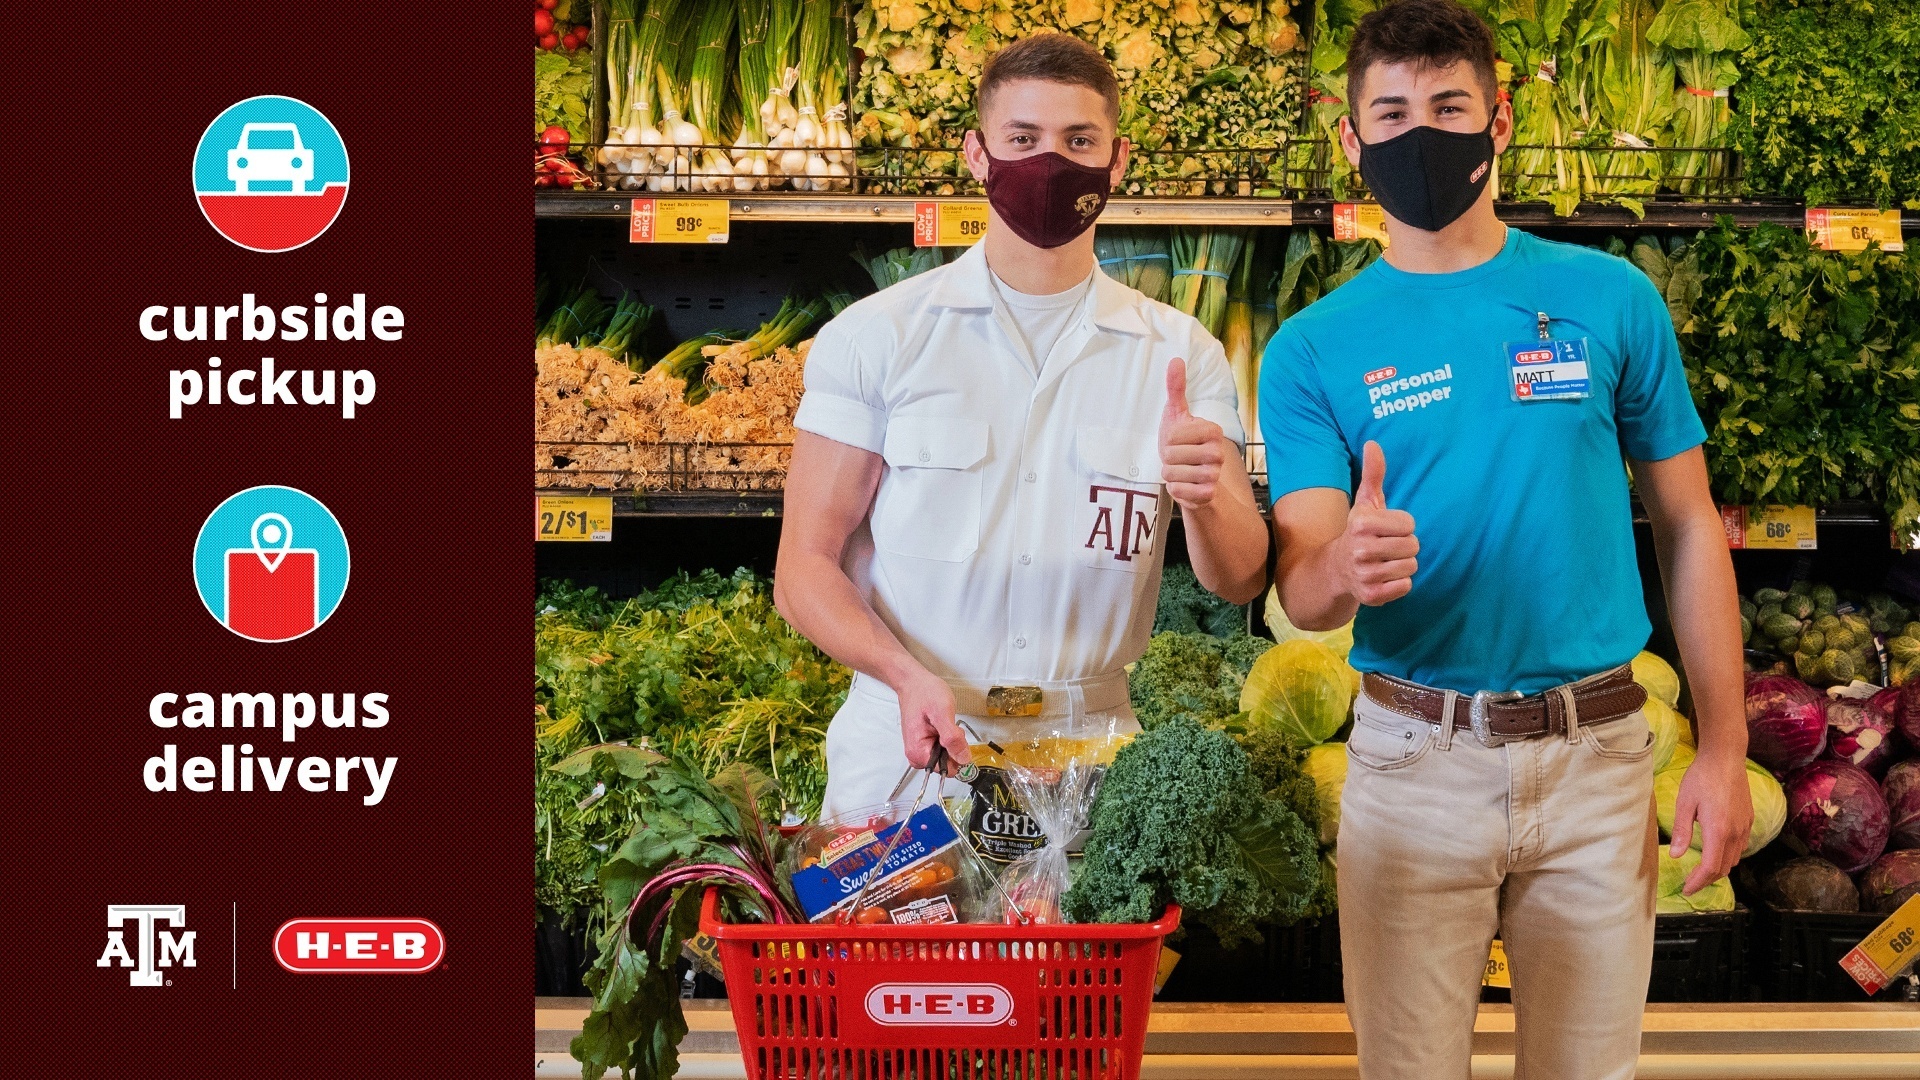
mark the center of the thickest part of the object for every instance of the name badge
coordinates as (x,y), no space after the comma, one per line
(1550,369)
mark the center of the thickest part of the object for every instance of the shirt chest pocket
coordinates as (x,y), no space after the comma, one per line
(1119,521)
(928,506)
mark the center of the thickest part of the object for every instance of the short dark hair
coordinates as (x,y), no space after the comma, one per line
(1050,57)
(1430,33)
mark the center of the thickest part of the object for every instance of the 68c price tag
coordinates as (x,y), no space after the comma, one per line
(1777,528)
(573,517)
(680,221)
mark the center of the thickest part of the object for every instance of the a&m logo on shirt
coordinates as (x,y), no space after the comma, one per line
(1123,522)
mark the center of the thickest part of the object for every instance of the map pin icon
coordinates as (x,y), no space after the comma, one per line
(278,531)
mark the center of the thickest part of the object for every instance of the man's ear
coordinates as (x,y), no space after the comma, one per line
(975,153)
(1502,126)
(1350,141)
(1119,168)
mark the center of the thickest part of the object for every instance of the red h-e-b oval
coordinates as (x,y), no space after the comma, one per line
(359,946)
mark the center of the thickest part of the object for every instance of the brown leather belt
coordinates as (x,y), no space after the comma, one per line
(1497,718)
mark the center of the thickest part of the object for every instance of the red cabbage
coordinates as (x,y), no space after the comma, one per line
(1906,714)
(1901,789)
(1861,732)
(1786,722)
(1890,881)
(1835,811)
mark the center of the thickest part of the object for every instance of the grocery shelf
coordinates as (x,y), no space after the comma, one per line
(1201,210)
(1750,1042)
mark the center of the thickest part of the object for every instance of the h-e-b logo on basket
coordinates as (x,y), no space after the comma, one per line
(270,173)
(959,1004)
(154,947)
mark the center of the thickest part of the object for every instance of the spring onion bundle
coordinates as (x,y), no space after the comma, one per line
(1237,339)
(1136,257)
(895,266)
(580,317)
(1203,259)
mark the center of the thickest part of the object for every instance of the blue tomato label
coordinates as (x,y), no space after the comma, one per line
(833,883)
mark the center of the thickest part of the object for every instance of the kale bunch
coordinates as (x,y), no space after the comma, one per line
(1186,606)
(1197,676)
(1182,818)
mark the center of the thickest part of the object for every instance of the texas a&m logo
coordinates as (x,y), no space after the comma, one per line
(156,948)
(962,1004)
(1123,522)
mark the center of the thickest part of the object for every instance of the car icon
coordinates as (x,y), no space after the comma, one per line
(268,158)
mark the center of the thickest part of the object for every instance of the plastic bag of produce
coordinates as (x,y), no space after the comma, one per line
(1673,875)
(1055,779)
(994,819)
(1301,687)
(1340,641)
(1326,765)
(1662,683)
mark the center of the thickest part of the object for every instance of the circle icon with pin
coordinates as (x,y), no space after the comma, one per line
(271,563)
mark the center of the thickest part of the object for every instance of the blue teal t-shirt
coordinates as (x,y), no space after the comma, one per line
(1528,576)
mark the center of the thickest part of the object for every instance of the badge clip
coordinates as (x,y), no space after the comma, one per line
(1541,321)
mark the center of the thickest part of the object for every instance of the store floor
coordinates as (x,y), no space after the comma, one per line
(1313,1042)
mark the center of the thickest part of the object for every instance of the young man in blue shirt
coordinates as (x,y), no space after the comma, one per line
(1476,391)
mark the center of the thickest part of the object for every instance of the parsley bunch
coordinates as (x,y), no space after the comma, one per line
(1829,109)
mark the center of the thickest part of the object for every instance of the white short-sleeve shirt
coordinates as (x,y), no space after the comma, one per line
(1019,526)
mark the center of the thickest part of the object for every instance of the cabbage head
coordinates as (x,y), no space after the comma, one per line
(1673,875)
(1661,681)
(1666,725)
(1340,640)
(1327,766)
(1302,688)
(1769,805)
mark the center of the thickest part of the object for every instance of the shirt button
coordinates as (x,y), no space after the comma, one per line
(1133,470)
(1025,559)
(1019,643)
(926,455)
(1031,477)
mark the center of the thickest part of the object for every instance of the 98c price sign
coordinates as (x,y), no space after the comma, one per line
(573,517)
(680,221)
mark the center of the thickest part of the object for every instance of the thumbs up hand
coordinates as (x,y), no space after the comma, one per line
(1380,542)
(1190,450)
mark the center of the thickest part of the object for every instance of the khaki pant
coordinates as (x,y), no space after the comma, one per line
(1445,844)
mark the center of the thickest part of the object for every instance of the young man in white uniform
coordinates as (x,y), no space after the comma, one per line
(988,454)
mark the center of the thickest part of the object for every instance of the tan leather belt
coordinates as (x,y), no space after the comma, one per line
(1496,718)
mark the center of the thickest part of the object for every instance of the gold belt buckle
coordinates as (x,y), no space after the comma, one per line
(1013,701)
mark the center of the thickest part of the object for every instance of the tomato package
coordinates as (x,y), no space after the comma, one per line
(929,875)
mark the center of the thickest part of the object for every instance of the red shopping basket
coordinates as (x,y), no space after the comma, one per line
(825,1001)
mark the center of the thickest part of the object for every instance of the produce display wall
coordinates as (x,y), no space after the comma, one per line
(1752,953)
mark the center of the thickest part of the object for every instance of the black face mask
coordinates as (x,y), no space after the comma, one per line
(1428,177)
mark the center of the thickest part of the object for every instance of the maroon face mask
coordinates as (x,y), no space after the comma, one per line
(1048,199)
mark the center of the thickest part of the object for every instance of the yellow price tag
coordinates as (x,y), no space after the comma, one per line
(573,517)
(949,223)
(1837,229)
(1168,958)
(1359,221)
(680,221)
(1885,953)
(1497,973)
(1771,528)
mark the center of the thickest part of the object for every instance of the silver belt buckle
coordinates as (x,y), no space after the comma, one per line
(1477,715)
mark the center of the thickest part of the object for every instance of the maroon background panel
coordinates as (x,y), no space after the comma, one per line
(104,496)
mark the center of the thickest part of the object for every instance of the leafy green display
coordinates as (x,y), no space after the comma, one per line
(1182,818)
(1194,675)
(1187,606)
(1830,108)
(562,83)
(1805,365)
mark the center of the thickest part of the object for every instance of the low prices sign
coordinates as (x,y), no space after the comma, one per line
(1359,221)
(1770,528)
(1838,229)
(680,221)
(1889,950)
(359,946)
(949,223)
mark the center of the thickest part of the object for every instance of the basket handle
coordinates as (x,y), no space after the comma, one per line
(710,911)
(1169,920)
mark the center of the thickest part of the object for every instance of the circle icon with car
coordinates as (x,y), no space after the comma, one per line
(270,173)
